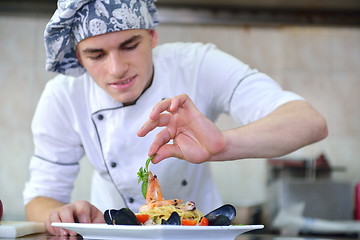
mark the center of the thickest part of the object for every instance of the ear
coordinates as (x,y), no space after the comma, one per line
(154,37)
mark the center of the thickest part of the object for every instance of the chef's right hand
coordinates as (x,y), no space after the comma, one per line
(186,133)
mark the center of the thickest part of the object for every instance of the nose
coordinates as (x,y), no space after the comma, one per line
(118,65)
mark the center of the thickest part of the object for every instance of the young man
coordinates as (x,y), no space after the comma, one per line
(121,98)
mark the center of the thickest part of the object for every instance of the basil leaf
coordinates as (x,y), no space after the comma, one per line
(143,175)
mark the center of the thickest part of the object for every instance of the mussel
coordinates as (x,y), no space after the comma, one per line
(174,219)
(222,216)
(124,216)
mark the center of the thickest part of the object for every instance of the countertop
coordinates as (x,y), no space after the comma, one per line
(245,236)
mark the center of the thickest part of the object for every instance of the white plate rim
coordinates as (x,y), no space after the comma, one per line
(105,231)
(155,227)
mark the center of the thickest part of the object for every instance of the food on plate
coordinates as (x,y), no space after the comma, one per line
(157,210)
(222,216)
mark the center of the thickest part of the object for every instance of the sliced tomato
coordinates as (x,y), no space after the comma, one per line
(142,217)
(204,222)
(188,222)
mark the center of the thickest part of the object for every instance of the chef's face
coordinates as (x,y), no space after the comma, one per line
(120,62)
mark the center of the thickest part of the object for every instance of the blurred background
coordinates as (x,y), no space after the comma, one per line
(309,47)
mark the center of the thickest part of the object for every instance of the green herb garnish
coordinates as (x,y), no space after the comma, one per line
(143,175)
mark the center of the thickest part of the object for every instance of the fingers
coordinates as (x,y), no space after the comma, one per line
(88,213)
(178,101)
(166,151)
(161,121)
(59,216)
(63,214)
(157,116)
(180,118)
(81,212)
(52,230)
(97,217)
(169,105)
(163,105)
(161,138)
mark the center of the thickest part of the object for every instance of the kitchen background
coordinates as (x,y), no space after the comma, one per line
(321,62)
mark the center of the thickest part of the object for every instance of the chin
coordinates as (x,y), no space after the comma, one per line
(127,101)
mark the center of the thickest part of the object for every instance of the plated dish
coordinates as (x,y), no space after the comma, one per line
(160,211)
(158,232)
(161,218)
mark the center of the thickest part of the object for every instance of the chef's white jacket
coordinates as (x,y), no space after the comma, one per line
(75,117)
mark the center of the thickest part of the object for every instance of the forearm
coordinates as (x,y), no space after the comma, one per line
(39,208)
(290,127)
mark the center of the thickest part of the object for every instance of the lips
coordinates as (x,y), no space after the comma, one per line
(123,82)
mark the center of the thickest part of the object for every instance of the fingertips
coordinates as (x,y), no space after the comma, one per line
(145,129)
(52,230)
(166,151)
(141,132)
(152,151)
(174,104)
(58,231)
(54,217)
(159,156)
(157,109)
(178,101)
(156,159)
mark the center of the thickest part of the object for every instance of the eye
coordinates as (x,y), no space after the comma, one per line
(131,47)
(96,57)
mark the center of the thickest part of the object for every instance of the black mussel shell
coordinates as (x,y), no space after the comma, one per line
(222,216)
(174,219)
(109,216)
(124,216)
(219,220)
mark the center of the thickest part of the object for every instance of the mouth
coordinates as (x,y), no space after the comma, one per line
(123,82)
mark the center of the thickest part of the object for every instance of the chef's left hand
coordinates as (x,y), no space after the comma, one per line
(195,138)
(78,211)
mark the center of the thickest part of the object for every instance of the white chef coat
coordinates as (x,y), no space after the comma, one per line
(75,117)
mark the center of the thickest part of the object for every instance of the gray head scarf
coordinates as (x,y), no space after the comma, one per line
(75,20)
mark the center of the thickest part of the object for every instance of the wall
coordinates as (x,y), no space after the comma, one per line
(320,63)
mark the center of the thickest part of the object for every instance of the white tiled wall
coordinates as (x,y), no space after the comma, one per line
(320,63)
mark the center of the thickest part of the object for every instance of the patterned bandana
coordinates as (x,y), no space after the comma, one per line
(75,20)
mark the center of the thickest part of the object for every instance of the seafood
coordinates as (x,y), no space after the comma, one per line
(222,216)
(158,210)
(174,219)
(124,216)
(154,197)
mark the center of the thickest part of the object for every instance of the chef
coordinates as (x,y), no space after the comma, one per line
(119,98)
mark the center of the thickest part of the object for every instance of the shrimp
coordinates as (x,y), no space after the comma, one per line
(154,192)
(154,197)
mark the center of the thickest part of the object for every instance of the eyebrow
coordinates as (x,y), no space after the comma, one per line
(130,40)
(121,45)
